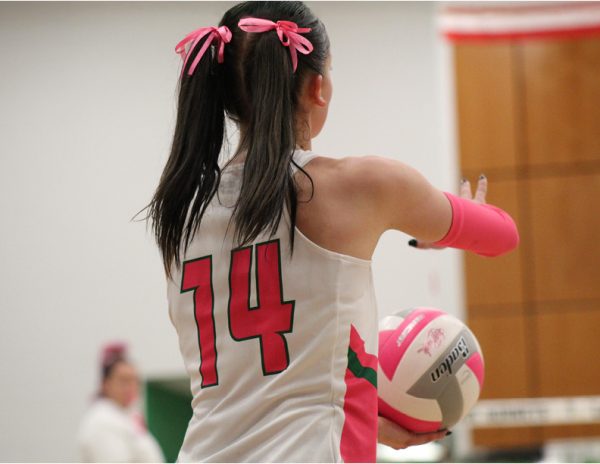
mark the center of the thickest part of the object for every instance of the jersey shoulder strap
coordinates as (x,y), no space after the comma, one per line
(301,157)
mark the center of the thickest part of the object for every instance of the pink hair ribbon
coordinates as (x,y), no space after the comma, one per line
(221,34)
(287,31)
(113,350)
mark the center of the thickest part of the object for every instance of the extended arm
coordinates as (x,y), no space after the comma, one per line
(406,201)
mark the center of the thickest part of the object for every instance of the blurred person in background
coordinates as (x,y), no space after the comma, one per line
(113,429)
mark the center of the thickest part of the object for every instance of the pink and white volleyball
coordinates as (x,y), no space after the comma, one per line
(430,370)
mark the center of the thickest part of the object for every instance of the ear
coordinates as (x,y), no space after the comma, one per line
(315,90)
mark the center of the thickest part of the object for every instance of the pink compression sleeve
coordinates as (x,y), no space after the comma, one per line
(481,228)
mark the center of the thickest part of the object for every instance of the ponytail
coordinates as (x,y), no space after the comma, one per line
(267,184)
(256,83)
(192,174)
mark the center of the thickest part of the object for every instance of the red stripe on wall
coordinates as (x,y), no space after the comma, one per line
(557,7)
(573,33)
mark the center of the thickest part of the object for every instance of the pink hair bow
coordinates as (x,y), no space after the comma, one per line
(287,31)
(113,350)
(221,34)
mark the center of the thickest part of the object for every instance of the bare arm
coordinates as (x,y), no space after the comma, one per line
(402,198)
(356,199)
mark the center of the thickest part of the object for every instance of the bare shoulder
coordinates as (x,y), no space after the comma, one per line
(367,176)
(356,167)
(373,170)
(340,203)
(327,213)
(367,168)
(380,192)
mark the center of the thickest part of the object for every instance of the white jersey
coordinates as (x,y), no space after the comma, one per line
(111,433)
(281,351)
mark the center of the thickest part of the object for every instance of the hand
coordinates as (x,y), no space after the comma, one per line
(391,434)
(465,192)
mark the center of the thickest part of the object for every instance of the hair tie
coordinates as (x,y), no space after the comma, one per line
(221,34)
(287,31)
(112,351)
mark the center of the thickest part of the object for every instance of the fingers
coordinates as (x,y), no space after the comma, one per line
(397,437)
(422,438)
(480,193)
(482,186)
(391,434)
(423,245)
(465,189)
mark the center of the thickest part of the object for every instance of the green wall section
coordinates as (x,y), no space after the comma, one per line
(168,411)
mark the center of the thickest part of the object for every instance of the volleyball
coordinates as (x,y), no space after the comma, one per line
(430,370)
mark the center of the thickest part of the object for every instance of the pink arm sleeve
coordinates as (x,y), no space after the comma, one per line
(481,228)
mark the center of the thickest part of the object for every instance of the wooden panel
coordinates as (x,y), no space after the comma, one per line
(568,344)
(562,89)
(537,103)
(486,106)
(565,222)
(507,437)
(496,281)
(503,343)
(571,431)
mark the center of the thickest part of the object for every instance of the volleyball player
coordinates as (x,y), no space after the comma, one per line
(268,255)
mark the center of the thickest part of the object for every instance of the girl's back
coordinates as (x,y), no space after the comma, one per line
(281,350)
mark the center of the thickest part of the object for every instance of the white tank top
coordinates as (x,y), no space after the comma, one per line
(281,352)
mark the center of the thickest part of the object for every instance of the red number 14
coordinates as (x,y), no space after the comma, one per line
(268,321)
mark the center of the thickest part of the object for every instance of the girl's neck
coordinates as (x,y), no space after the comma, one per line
(239,156)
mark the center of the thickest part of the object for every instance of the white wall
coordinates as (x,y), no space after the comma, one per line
(87,110)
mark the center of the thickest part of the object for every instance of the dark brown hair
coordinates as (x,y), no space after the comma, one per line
(257,88)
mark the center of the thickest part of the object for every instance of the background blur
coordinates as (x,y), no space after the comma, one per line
(87,112)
